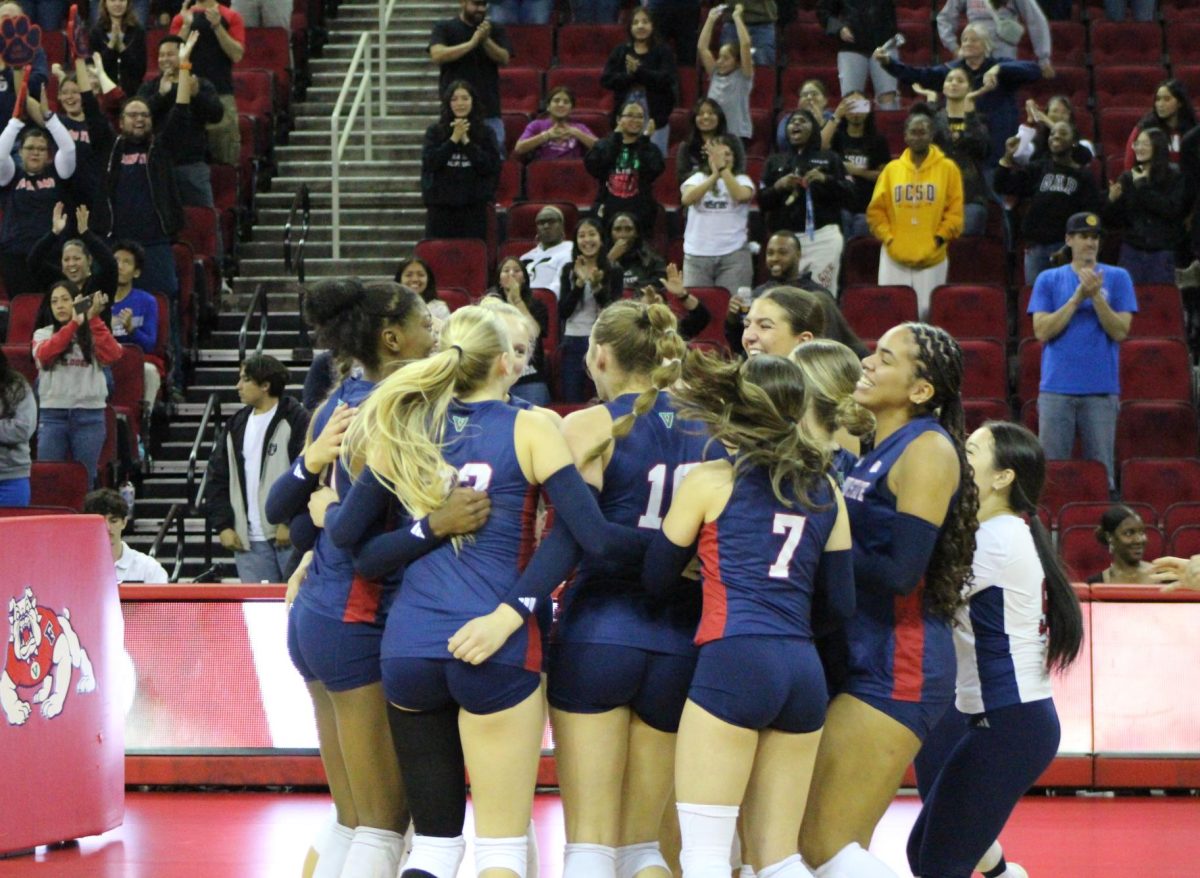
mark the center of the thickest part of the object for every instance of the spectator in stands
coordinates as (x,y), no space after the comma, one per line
(1142,10)
(1149,203)
(556,136)
(221,45)
(1172,114)
(70,354)
(715,239)
(460,166)
(859,26)
(643,70)
(264,13)
(135,316)
(192,175)
(994,82)
(471,49)
(961,134)
(760,17)
(640,265)
(804,189)
(730,72)
(626,164)
(79,110)
(544,263)
(120,38)
(676,22)
(781,319)
(1034,135)
(1056,187)
(850,132)
(1123,533)
(417,274)
(708,121)
(28,194)
(18,420)
(1001,22)
(814,97)
(588,283)
(916,211)
(512,286)
(132,565)
(85,261)
(1081,313)
(521,11)
(260,442)
(696,316)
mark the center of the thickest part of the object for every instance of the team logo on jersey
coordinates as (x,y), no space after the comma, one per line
(875,467)
(416,531)
(668,418)
(43,652)
(460,422)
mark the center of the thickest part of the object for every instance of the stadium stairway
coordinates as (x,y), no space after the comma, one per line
(382,217)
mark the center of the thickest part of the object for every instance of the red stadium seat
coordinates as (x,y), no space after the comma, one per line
(1072,481)
(454,297)
(22,318)
(1160,481)
(918,45)
(520,89)
(514,247)
(584,83)
(979,411)
(560,180)
(514,125)
(970,310)
(1069,39)
(228,200)
(1088,513)
(547,298)
(861,262)
(1073,81)
(890,123)
(522,218)
(807,42)
(599,123)
(985,369)
(689,87)
(914,10)
(508,187)
(1029,369)
(762,96)
(977,261)
(716,300)
(23,511)
(128,386)
(1125,42)
(1185,542)
(762,139)
(1174,11)
(1127,85)
(588,45)
(1179,515)
(533,45)
(253,92)
(666,190)
(1155,368)
(1189,75)
(272,50)
(1157,429)
(1024,318)
(1085,556)
(58,483)
(458,262)
(873,310)
(1159,313)
(1182,39)
(1117,122)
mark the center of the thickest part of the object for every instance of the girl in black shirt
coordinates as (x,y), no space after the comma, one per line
(460,165)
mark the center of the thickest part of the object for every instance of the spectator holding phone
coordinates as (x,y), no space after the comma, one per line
(864,152)
(730,71)
(1004,22)
(222,43)
(71,353)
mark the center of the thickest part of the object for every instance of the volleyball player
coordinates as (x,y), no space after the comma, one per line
(773,533)
(1003,731)
(912,508)
(834,418)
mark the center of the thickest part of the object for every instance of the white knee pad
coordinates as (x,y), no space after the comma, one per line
(633,858)
(332,844)
(500,853)
(746,871)
(375,853)
(791,867)
(707,833)
(589,861)
(436,856)
(853,862)
(532,859)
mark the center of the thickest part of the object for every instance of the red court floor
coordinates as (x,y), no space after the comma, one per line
(264,835)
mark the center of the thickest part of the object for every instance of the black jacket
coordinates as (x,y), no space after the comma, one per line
(626,173)
(873,22)
(656,74)
(207,109)
(828,197)
(455,175)
(1151,214)
(45,265)
(1054,192)
(571,294)
(969,150)
(127,67)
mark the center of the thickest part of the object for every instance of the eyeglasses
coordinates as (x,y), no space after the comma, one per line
(135,114)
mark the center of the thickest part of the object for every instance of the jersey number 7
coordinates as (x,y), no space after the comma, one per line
(793,526)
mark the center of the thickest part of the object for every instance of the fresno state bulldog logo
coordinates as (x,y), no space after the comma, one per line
(43,651)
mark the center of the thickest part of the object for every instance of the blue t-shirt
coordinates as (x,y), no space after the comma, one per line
(145,320)
(1082,359)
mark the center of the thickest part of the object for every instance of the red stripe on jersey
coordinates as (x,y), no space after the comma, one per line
(908,674)
(715,612)
(533,645)
(528,527)
(363,603)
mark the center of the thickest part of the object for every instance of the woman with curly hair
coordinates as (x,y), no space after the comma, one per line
(912,504)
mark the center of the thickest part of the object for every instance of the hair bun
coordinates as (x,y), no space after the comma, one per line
(328,299)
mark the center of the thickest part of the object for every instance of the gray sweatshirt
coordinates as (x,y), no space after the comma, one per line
(15,431)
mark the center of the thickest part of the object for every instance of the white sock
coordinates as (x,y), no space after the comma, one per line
(500,853)
(375,853)
(436,856)
(707,833)
(746,871)
(589,861)
(853,862)
(633,858)
(532,860)
(331,855)
(792,867)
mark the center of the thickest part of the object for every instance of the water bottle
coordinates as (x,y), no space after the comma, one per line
(128,494)
(743,297)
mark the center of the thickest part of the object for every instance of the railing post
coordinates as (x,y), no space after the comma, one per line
(383,65)
(370,145)
(335,218)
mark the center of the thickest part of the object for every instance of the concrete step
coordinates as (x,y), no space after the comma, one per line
(412,107)
(294,157)
(365,246)
(377,267)
(272,219)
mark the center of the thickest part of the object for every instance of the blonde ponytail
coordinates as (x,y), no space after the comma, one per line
(831,370)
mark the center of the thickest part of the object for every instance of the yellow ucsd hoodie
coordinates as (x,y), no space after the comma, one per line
(912,206)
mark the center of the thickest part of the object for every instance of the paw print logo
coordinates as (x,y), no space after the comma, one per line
(19,41)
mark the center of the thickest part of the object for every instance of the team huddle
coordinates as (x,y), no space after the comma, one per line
(766,618)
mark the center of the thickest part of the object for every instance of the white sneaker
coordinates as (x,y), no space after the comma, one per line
(1015,870)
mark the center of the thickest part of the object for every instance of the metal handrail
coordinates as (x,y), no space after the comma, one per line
(302,202)
(258,303)
(174,516)
(385,18)
(195,494)
(339,137)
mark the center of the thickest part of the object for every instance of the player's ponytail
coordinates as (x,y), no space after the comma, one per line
(831,371)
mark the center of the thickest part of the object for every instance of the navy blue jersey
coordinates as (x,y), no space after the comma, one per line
(605,603)
(897,649)
(840,465)
(445,589)
(760,560)
(332,588)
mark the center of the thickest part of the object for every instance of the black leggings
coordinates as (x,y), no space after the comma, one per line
(430,753)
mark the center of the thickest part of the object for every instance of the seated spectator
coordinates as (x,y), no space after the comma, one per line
(527,331)
(135,316)
(1123,533)
(961,134)
(28,194)
(1055,188)
(544,263)
(588,283)
(460,166)
(520,11)
(70,354)
(1003,24)
(120,38)
(850,132)
(643,70)
(1149,203)
(18,420)
(780,319)
(1172,114)
(916,212)
(626,164)
(132,565)
(260,442)
(222,44)
(859,26)
(804,189)
(696,316)
(633,255)
(814,97)
(85,261)
(556,136)
(416,274)
(715,239)
(707,122)
(594,11)
(730,72)
(1035,133)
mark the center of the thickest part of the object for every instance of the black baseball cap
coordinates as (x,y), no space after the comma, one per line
(1084,222)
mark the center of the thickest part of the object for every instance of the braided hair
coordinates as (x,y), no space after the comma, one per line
(939,361)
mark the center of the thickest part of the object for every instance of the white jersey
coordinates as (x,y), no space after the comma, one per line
(1000,639)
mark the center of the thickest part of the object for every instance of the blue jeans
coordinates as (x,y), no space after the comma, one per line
(14,492)
(595,11)
(762,38)
(519,11)
(72,434)
(1037,259)
(974,219)
(264,561)
(534,393)
(1148,266)
(1143,10)
(572,371)
(854,225)
(497,126)
(1095,418)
